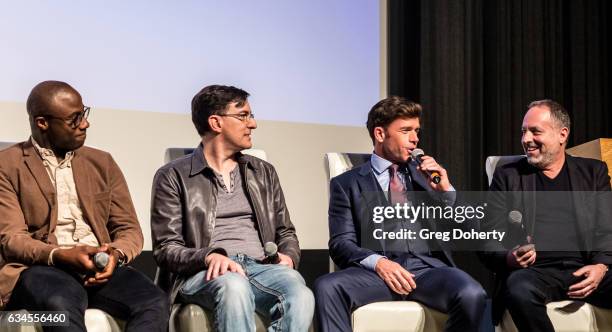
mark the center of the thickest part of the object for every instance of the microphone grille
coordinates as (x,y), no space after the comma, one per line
(515,217)
(417,153)
(101,260)
(270,248)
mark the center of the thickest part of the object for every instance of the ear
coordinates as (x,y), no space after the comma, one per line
(563,135)
(379,134)
(215,122)
(41,123)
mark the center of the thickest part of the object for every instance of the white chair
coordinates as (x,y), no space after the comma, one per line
(191,317)
(568,316)
(387,316)
(96,320)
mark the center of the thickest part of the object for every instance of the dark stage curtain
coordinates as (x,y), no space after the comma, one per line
(474,65)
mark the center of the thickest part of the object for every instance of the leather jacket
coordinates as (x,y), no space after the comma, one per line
(183,208)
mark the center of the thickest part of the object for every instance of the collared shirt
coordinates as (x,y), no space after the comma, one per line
(71,229)
(380,167)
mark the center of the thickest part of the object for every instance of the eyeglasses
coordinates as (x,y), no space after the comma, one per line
(244,117)
(75,120)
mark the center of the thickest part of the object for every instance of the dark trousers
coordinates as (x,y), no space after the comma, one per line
(128,295)
(529,290)
(445,289)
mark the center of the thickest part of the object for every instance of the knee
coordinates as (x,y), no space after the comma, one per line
(326,286)
(235,289)
(472,295)
(519,289)
(159,303)
(72,301)
(300,298)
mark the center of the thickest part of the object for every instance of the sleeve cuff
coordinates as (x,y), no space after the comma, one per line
(370,261)
(50,259)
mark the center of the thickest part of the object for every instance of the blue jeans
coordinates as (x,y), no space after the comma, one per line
(274,291)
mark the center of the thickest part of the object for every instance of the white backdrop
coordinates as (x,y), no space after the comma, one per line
(313,61)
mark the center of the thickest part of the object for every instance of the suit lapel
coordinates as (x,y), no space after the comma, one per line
(369,187)
(580,191)
(528,197)
(371,195)
(418,178)
(36,167)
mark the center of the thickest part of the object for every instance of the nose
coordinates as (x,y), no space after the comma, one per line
(84,124)
(252,123)
(414,138)
(527,137)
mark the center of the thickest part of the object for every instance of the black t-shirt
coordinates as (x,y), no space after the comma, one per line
(555,233)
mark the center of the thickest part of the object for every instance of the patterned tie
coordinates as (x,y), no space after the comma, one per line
(397,191)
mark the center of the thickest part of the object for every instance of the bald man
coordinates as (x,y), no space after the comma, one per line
(61,204)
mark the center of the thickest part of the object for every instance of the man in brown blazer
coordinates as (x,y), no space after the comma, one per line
(61,203)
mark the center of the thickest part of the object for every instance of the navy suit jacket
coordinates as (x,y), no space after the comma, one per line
(353,194)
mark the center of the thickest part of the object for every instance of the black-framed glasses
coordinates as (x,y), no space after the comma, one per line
(244,117)
(75,120)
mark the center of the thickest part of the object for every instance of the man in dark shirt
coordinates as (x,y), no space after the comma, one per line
(566,244)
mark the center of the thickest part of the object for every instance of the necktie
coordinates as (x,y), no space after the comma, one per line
(398,194)
(397,191)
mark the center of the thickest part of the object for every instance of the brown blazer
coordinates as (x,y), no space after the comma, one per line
(28,208)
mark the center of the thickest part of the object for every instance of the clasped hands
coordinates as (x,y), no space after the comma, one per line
(80,259)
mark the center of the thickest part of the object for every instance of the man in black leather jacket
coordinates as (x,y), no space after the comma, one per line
(213,210)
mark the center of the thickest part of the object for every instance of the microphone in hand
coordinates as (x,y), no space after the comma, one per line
(101,259)
(271,252)
(417,154)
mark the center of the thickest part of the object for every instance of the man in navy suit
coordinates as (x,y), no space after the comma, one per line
(423,271)
(570,225)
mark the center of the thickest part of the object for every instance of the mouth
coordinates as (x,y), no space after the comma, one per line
(531,149)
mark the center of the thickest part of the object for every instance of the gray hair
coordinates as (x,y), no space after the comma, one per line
(557,112)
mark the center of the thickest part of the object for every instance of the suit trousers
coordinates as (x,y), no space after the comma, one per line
(446,289)
(128,295)
(529,290)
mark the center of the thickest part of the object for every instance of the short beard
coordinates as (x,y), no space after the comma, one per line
(543,161)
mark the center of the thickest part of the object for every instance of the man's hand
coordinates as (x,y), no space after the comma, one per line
(594,274)
(285,260)
(521,257)
(78,258)
(218,265)
(102,277)
(429,165)
(395,276)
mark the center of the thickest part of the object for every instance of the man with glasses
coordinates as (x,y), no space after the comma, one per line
(213,211)
(63,206)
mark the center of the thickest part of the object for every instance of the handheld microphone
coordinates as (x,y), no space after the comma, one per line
(516,218)
(271,252)
(101,260)
(416,155)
